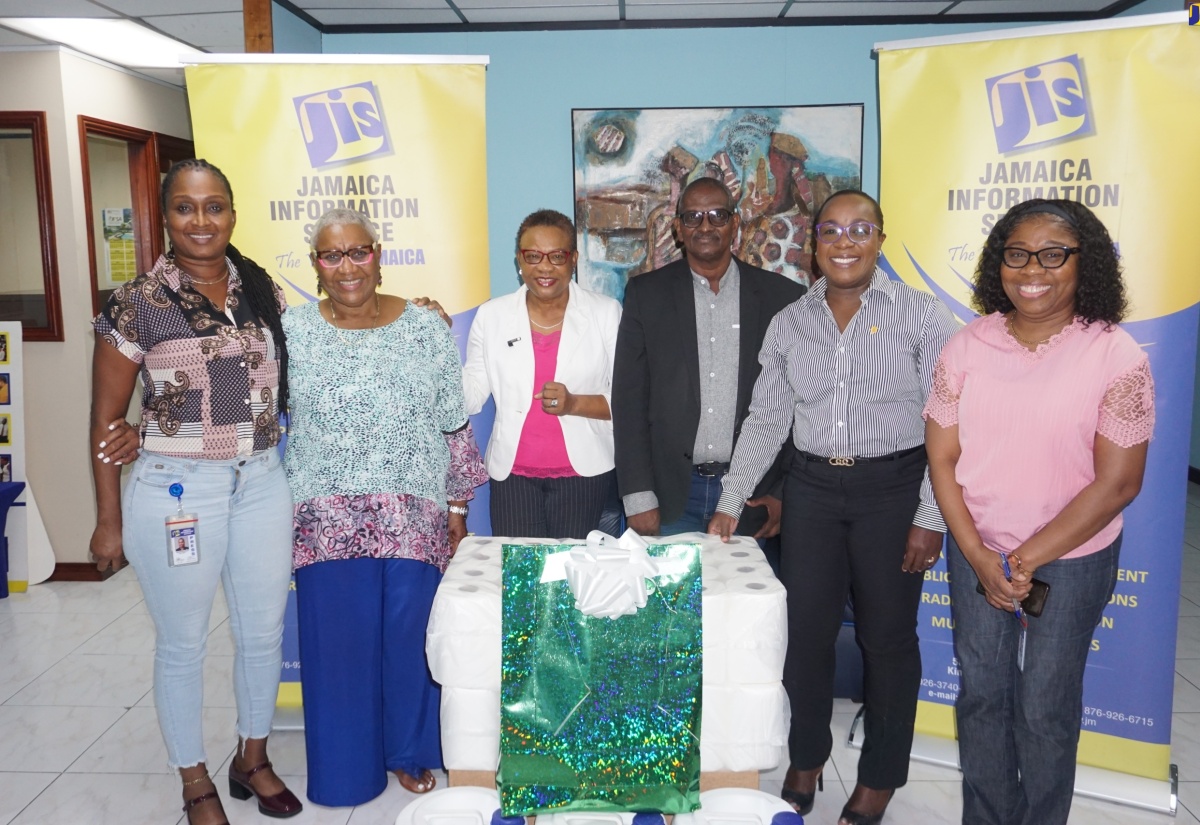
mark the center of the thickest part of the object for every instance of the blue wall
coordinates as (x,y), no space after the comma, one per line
(291,34)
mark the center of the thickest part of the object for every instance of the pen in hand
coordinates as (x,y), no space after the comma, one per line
(1008,577)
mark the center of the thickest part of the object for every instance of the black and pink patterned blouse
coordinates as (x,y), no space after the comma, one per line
(210,375)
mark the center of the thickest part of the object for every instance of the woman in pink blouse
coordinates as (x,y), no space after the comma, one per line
(545,354)
(1037,429)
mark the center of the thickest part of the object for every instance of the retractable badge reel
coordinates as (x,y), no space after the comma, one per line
(183,538)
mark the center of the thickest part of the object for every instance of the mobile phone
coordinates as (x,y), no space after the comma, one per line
(1034,603)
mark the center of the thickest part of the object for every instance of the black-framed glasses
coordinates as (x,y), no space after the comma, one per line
(1052,257)
(692,218)
(857,232)
(331,258)
(557,257)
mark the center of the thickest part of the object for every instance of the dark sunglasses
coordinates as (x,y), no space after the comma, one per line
(692,218)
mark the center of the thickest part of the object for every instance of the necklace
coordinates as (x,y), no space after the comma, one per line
(208,283)
(338,330)
(1013,332)
(539,326)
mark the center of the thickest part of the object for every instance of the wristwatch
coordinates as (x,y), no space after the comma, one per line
(456,510)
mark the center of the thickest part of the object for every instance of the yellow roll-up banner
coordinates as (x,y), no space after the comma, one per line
(401,142)
(404,144)
(1108,115)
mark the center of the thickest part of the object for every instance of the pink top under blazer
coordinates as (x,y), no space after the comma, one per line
(500,364)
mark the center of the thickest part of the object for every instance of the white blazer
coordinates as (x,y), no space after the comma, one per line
(500,364)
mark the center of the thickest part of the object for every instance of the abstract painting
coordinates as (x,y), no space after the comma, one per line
(779,163)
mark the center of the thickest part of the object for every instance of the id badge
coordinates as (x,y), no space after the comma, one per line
(183,539)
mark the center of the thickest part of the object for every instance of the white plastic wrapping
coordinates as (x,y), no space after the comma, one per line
(471,728)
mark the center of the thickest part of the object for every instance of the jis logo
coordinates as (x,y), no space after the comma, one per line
(1039,104)
(342,124)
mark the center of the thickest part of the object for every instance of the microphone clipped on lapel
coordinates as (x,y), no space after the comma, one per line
(512,341)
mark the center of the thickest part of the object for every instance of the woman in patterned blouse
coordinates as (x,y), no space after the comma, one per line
(381,462)
(1037,427)
(203,330)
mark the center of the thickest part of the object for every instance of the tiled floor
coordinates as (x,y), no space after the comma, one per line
(79,744)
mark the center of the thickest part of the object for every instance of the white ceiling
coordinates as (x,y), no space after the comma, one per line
(216,25)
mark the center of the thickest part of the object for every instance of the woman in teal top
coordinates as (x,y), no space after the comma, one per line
(381,463)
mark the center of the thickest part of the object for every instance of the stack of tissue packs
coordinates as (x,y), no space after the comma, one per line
(745,712)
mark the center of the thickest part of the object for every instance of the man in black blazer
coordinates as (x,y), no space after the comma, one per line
(685,366)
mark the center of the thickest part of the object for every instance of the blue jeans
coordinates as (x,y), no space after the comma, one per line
(701,505)
(1018,731)
(245,536)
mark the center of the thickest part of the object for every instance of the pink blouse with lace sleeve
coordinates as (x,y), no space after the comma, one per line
(1027,421)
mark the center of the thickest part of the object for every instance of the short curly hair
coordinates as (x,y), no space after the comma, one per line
(547,217)
(1100,293)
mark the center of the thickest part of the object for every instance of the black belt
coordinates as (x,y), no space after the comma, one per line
(850,461)
(711,469)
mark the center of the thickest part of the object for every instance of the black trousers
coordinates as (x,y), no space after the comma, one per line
(552,508)
(845,530)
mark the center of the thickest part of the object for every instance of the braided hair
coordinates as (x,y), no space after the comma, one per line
(257,285)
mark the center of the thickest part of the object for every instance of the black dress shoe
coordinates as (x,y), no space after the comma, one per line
(803,802)
(852,817)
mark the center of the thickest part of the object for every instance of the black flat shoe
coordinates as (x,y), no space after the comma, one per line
(803,802)
(851,817)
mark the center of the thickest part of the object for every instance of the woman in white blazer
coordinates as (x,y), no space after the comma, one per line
(545,353)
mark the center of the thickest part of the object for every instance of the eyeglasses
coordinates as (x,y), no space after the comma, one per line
(692,218)
(359,256)
(857,232)
(557,257)
(1052,257)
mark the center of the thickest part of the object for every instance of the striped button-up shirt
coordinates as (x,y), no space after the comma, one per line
(718,344)
(854,393)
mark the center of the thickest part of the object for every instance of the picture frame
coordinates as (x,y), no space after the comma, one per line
(778,162)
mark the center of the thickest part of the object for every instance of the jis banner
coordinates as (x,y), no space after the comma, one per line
(1107,116)
(403,142)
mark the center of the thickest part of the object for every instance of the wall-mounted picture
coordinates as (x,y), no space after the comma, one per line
(5,394)
(5,428)
(778,162)
(3,347)
(6,468)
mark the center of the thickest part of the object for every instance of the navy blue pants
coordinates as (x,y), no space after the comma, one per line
(370,705)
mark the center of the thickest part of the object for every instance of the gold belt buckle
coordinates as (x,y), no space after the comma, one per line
(842,461)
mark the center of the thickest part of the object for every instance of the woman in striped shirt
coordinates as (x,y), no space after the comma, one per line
(846,369)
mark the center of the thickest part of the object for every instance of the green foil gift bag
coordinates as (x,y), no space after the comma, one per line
(600,714)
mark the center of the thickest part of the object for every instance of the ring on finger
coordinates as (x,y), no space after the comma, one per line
(553,402)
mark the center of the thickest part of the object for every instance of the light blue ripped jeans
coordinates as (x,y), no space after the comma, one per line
(245,534)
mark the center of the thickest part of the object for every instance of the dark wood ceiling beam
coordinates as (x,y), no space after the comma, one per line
(256,26)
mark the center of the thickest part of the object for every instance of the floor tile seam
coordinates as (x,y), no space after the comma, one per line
(37,796)
(1190,682)
(92,744)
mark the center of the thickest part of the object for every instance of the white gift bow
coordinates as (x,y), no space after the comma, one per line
(608,575)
